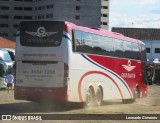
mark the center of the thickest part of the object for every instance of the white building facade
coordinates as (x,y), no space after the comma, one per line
(152,49)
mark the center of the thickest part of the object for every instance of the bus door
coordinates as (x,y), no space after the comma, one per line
(144,63)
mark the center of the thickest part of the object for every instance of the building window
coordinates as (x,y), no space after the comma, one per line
(49,6)
(4,8)
(28,17)
(157,50)
(39,8)
(104,7)
(49,16)
(28,8)
(17,17)
(104,15)
(40,16)
(18,8)
(4,16)
(18,0)
(77,7)
(3,25)
(28,0)
(147,50)
(77,17)
(103,23)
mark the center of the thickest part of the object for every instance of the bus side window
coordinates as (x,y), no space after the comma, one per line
(135,51)
(127,49)
(97,44)
(78,41)
(118,46)
(87,42)
(107,46)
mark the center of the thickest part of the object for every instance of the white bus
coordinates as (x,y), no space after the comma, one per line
(60,61)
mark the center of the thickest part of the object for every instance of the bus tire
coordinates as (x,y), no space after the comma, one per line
(99,96)
(90,97)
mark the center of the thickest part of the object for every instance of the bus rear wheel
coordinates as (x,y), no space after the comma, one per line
(90,98)
(99,96)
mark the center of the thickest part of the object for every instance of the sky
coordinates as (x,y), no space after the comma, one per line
(134,13)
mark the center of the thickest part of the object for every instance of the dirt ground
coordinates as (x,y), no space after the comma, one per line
(149,105)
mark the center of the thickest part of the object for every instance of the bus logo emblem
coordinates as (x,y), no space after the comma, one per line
(41,32)
(128,67)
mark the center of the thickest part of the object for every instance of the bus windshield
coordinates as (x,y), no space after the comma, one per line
(41,34)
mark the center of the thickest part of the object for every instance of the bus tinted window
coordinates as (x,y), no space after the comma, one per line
(41,34)
(127,49)
(135,51)
(81,44)
(93,44)
(87,42)
(118,47)
(102,45)
(97,44)
(78,40)
(107,45)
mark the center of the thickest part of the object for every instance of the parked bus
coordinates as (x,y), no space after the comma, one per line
(60,61)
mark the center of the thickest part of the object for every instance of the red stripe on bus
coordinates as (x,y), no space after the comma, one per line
(95,72)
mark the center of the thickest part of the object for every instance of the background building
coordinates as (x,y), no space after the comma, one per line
(151,37)
(91,13)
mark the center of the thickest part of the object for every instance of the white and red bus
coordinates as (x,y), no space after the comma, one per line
(60,61)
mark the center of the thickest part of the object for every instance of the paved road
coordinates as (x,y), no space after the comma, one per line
(149,105)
